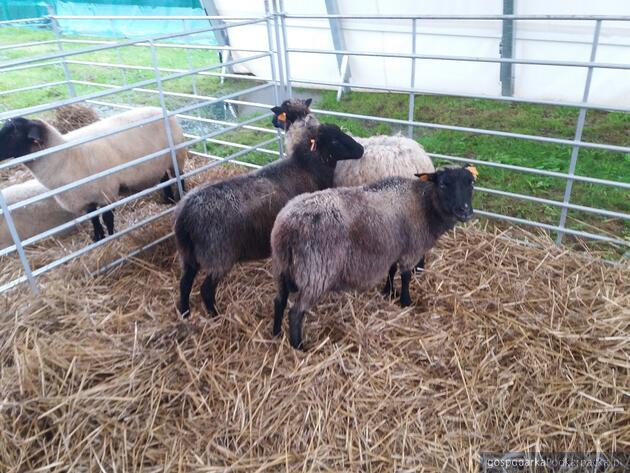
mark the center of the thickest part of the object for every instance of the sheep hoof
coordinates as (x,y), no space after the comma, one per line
(405,301)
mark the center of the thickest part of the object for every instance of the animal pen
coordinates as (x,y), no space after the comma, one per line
(520,343)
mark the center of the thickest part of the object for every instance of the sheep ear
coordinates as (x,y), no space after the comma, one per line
(35,132)
(472,170)
(276,110)
(426,176)
(307,102)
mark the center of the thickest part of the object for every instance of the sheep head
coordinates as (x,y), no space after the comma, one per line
(334,145)
(20,136)
(290,111)
(453,191)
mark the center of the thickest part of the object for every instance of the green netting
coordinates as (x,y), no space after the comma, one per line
(14,9)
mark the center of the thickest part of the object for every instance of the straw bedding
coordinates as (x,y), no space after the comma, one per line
(507,347)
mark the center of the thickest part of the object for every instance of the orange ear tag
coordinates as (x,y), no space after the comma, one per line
(473,171)
(424,177)
(282,117)
(313,145)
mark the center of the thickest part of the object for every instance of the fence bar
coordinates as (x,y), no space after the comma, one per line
(279,52)
(32,87)
(285,42)
(161,69)
(504,60)
(145,44)
(568,231)
(465,17)
(18,244)
(578,132)
(28,45)
(480,131)
(40,19)
(412,85)
(167,125)
(404,90)
(541,172)
(156,17)
(64,64)
(272,65)
(540,200)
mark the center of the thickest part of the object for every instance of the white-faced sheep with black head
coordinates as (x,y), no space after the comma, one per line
(353,237)
(21,136)
(384,156)
(218,225)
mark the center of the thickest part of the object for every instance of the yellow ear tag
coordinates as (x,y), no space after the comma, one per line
(424,177)
(282,117)
(313,145)
(473,171)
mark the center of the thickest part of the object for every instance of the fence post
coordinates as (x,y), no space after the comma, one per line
(276,26)
(507,50)
(272,63)
(64,64)
(578,134)
(412,96)
(167,123)
(285,43)
(18,244)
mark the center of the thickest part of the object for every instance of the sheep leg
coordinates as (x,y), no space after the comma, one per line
(296,319)
(208,291)
(279,305)
(388,290)
(99,233)
(169,198)
(108,218)
(185,286)
(405,299)
(419,266)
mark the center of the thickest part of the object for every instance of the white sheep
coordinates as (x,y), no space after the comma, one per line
(34,218)
(21,136)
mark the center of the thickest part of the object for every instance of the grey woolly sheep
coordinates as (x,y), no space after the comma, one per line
(352,237)
(218,225)
(20,136)
(34,218)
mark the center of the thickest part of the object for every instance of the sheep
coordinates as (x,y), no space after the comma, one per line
(385,156)
(35,218)
(352,237)
(218,225)
(21,136)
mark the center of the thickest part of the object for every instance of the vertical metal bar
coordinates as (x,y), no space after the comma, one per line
(412,96)
(167,123)
(285,42)
(190,63)
(64,64)
(123,71)
(272,64)
(507,50)
(276,25)
(578,133)
(332,8)
(18,244)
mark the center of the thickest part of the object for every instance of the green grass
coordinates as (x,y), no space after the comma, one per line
(601,127)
